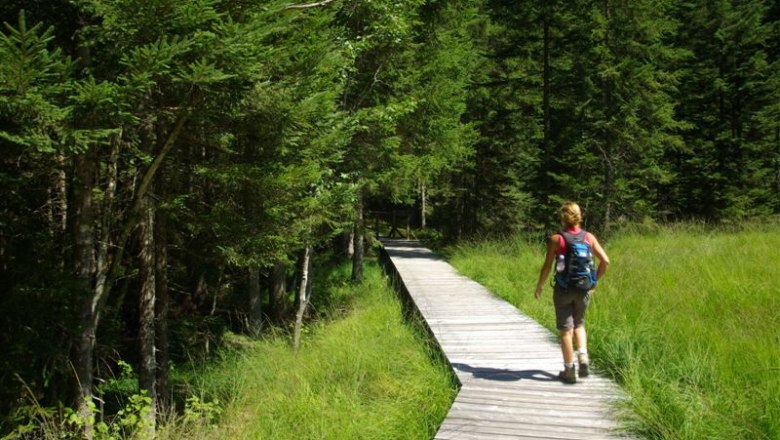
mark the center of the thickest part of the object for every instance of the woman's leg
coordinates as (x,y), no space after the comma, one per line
(581,338)
(567,347)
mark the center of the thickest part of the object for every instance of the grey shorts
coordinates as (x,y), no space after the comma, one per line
(570,307)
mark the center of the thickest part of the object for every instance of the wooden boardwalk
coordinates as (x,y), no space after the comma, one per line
(506,363)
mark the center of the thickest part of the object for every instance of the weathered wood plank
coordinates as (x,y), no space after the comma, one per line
(506,362)
(455,427)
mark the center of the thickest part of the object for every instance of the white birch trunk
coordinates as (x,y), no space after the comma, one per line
(303,296)
(424,204)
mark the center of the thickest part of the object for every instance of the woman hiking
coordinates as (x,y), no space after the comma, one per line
(575,282)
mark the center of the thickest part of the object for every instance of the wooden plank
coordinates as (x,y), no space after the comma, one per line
(455,427)
(506,362)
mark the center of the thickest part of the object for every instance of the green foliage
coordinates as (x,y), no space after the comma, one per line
(726,88)
(434,141)
(33,81)
(256,131)
(35,421)
(197,411)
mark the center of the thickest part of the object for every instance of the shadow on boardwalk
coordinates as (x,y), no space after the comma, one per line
(504,375)
(416,252)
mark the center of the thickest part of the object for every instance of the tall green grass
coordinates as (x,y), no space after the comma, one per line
(687,319)
(362,372)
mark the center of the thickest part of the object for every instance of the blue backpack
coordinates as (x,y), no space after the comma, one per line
(575,268)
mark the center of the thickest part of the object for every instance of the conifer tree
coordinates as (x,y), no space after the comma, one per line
(434,140)
(377,33)
(625,115)
(726,94)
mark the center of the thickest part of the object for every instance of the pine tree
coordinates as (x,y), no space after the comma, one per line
(726,95)
(625,115)
(434,140)
(377,33)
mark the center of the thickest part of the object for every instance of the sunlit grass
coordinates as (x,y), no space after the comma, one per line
(686,319)
(366,375)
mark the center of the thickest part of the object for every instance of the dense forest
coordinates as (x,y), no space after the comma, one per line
(172,168)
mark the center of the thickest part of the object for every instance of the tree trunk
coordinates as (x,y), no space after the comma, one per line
(303,296)
(609,160)
(84,268)
(84,221)
(201,291)
(357,258)
(608,207)
(61,198)
(3,258)
(278,298)
(101,269)
(777,168)
(141,189)
(423,204)
(255,301)
(546,82)
(57,204)
(351,244)
(147,373)
(162,306)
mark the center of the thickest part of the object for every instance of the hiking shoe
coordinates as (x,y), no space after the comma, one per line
(568,375)
(584,369)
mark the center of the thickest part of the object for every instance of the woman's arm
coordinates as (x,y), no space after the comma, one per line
(552,246)
(601,255)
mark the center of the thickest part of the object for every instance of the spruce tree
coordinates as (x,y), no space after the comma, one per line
(728,90)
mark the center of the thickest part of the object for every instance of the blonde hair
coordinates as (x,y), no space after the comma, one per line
(571,215)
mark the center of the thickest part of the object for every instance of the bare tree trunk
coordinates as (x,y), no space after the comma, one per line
(61,198)
(546,81)
(423,203)
(161,307)
(777,170)
(56,208)
(101,269)
(141,189)
(278,288)
(255,301)
(147,373)
(3,257)
(201,290)
(84,267)
(609,148)
(303,296)
(609,183)
(357,258)
(91,264)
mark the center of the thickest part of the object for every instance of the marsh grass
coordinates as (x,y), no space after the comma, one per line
(362,372)
(687,319)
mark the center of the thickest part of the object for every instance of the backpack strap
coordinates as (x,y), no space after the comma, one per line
(573,238)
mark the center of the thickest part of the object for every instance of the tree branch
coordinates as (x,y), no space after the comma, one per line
(131,221)
(146,181)
(310,5)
